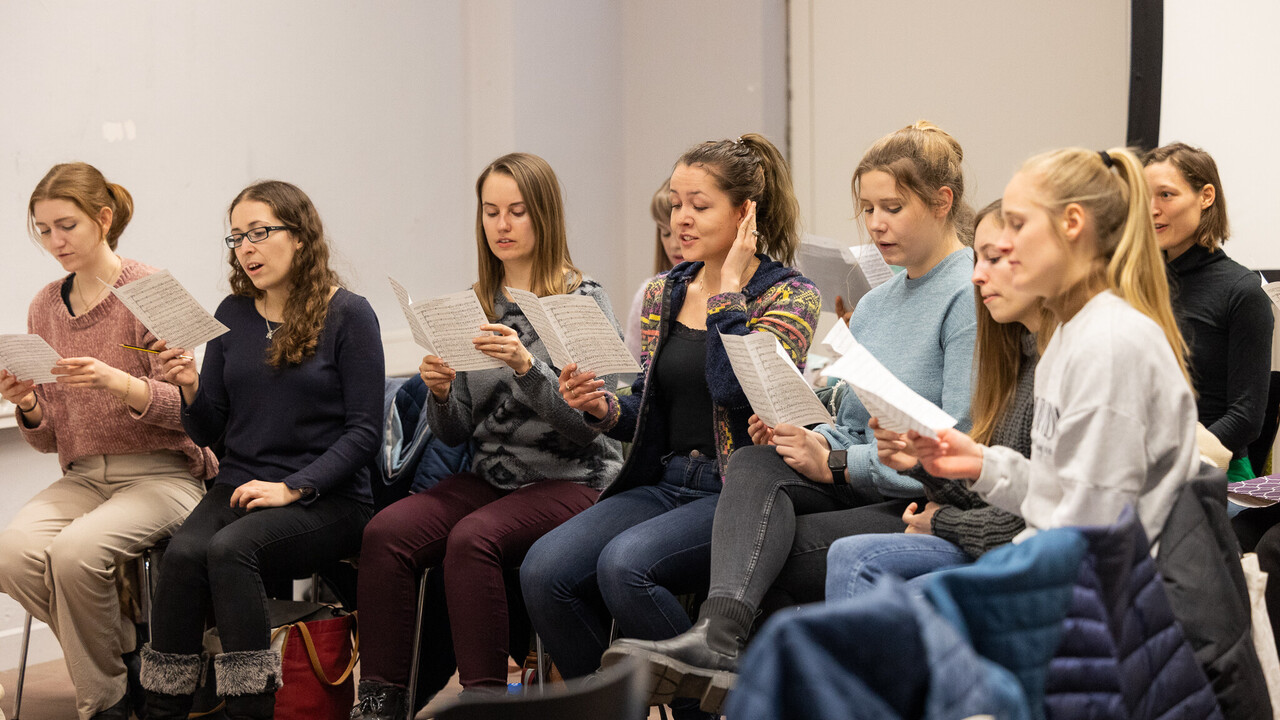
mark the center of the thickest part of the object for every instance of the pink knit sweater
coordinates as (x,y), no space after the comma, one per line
(81,422)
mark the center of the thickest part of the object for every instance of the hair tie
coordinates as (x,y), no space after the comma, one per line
(1106,159)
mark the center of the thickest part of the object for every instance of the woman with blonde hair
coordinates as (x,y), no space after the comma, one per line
(130,474)
(536,462)
(956,526)
(294,392)
(667,254)
(1115,416)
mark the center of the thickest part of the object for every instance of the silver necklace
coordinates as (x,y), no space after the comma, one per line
(271,331)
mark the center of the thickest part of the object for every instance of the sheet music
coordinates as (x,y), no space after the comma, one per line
(1273,291)
(874,269)
(840,339)
(170,312)
(777,391)
(450,322)
(898,407)
(28,357)
(590,339)
(833,268)
(415,325)
(544,325)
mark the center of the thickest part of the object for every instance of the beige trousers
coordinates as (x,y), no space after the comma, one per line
(58,558)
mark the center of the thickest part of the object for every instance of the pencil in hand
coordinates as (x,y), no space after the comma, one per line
(156,352)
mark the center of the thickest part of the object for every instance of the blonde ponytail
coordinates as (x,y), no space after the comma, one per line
(1136,271)
(1112,189)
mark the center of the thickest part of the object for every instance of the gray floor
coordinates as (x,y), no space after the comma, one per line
(49,695)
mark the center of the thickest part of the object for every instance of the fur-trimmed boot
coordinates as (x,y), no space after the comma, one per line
(380,701)
(170,680)
(248,679)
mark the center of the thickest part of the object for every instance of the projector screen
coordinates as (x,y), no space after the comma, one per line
(1218,92)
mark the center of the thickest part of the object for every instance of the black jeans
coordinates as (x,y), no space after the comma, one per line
(755,532)
(217,560)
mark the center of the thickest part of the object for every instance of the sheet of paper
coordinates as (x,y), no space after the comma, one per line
(833,268)
(773,385)
(1258,492)
(872,265)
(544,325)
(28,357)
(451,321)
(170,312)
(415,325)
(1273,291)
(839,339)
(590,339)
(898,407)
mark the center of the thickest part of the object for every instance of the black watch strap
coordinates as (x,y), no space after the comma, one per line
(837,463)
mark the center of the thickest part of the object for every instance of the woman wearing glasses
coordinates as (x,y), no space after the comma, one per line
(130,475)
(294,392)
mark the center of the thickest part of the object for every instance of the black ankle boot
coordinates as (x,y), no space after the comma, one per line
(258,706)
(119,711)
(701,663)
(380,701)
(169,680)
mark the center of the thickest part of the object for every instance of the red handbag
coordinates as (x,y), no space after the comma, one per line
(317,657)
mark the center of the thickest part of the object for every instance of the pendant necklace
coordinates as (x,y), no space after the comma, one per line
(271,331)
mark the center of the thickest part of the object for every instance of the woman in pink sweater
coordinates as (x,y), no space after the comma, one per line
(130,473)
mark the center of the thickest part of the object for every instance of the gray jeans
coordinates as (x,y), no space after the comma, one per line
(773,525)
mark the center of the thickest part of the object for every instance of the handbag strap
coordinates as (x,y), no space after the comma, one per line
(315,658)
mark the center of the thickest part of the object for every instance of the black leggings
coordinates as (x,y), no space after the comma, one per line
(773,527)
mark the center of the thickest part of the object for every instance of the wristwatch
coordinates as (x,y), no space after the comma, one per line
(837,463)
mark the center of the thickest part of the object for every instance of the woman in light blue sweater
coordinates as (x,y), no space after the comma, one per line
(909,189)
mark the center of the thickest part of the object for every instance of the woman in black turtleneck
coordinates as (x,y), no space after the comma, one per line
(1220,306)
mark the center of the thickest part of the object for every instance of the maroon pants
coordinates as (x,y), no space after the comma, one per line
(473,531)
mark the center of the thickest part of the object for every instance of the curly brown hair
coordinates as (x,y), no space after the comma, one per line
(311,279)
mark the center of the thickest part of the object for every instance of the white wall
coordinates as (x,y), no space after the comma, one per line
(1226,102)
(384,113)
(1006,78)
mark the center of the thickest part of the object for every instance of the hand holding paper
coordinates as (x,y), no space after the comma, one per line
(28,358)
(170,312)
(445,327)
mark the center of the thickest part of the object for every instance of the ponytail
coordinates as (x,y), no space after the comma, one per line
(1136,271)
(121,212)
(752,168)
(1111,187)
(777,210)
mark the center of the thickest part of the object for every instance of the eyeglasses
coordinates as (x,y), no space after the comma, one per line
(254,236)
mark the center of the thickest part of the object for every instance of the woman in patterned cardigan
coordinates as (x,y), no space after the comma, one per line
(649,537)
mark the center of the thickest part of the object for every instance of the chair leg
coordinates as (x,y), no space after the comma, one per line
(540,660)
(411,690)
(22,668)
(148,591)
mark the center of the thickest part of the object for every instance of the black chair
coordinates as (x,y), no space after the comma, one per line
(615,692)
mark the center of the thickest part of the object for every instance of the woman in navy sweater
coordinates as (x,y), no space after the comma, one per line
(294,391)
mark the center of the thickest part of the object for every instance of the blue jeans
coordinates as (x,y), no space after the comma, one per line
(855,563)
(625,558)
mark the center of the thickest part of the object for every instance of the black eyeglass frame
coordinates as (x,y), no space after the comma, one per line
(235,240)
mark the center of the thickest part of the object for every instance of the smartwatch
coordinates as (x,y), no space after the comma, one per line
(837,463)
